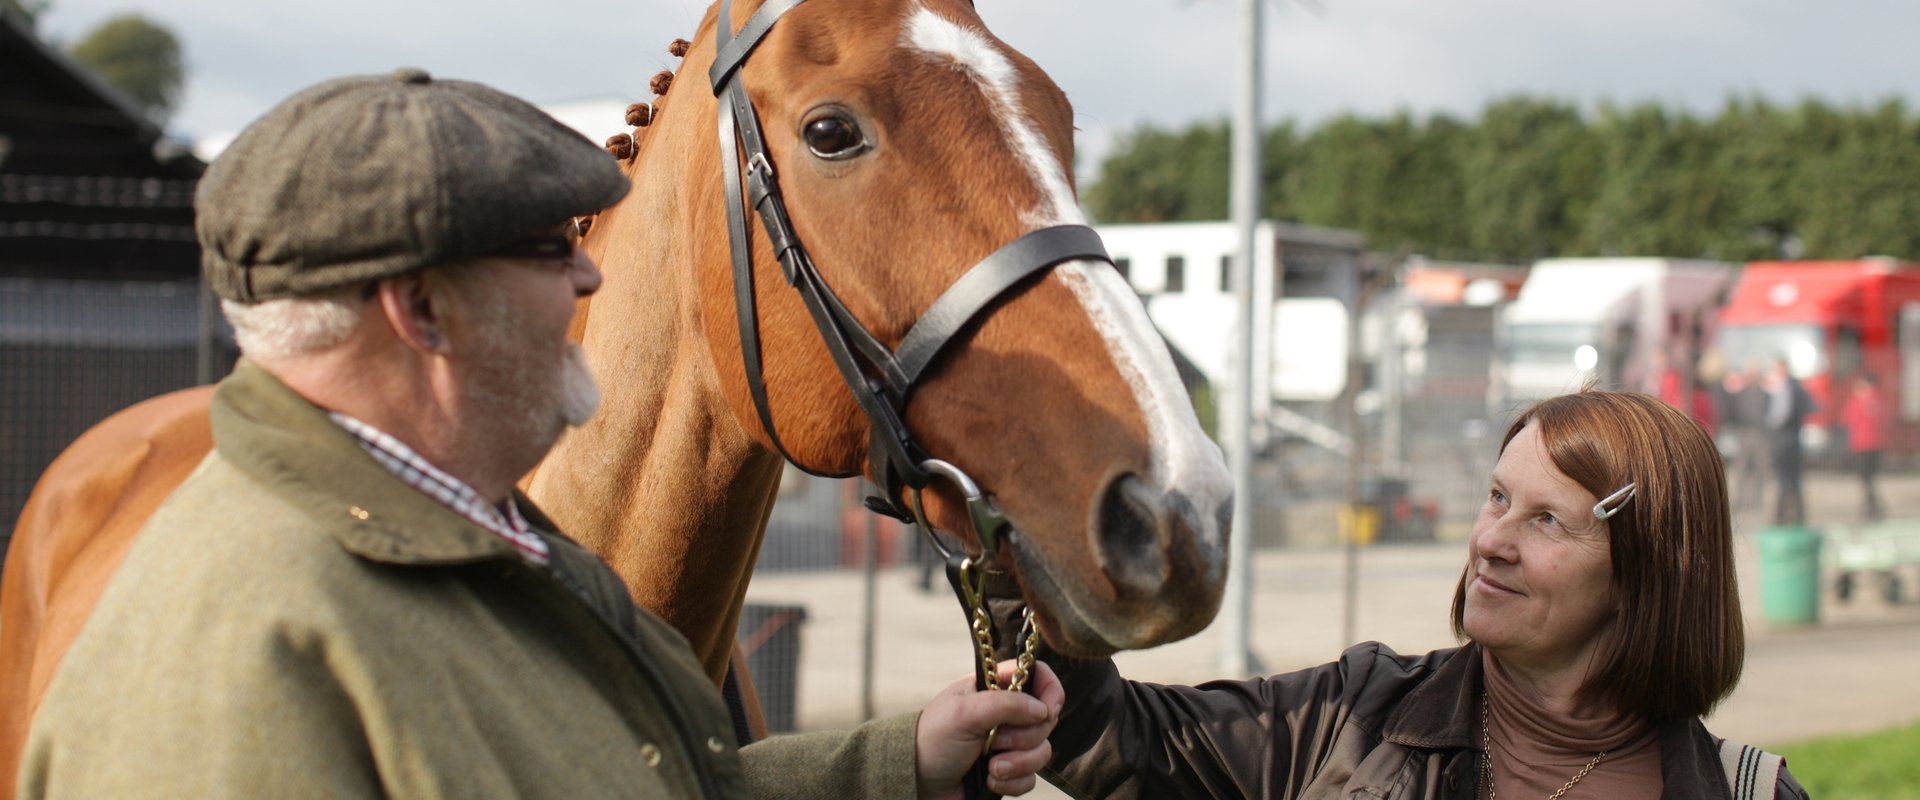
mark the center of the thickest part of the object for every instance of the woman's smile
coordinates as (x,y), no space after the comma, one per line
(1495,588)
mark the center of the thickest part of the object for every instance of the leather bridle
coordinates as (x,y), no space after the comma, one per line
(882,380)
(882,396)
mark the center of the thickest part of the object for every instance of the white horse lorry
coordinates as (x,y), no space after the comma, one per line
(1610,319)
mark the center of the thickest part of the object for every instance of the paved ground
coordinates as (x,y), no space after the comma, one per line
(1858,670)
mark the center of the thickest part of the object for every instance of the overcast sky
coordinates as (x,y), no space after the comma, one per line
(1122,62)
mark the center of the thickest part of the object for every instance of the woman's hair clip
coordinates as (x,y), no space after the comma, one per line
(1611,505)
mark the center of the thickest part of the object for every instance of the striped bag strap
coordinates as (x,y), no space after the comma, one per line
(1751,771)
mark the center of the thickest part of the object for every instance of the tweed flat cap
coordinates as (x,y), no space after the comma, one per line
(365,177)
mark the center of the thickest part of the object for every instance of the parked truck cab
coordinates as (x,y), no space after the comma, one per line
(1833,321)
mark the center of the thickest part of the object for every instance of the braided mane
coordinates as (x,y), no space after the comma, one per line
(625,147)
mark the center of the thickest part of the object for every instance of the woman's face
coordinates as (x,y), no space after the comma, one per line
(1540,589)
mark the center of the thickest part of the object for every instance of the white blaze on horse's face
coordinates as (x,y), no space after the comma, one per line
(1184,459)
(945,39)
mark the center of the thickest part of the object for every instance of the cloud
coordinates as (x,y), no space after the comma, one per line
(1122,62)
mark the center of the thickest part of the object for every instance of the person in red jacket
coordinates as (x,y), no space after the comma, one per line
(1865,416)
(1677,388)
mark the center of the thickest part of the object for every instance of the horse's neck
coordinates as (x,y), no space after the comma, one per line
(662,483)
(677,508)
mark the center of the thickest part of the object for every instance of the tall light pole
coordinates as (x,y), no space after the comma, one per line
(1236,652)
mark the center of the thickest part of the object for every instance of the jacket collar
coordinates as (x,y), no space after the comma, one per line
(291,447)
(1690,762)
(1443,712)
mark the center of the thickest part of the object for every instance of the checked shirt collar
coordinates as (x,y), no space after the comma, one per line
(504,521)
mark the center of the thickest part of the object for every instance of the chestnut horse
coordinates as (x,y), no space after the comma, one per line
(910,144)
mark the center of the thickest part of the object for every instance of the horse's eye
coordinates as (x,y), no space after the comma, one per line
(834,137)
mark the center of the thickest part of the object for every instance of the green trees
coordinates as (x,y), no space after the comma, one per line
(139,57)
(28,10)
(1161,176)
(1533,178)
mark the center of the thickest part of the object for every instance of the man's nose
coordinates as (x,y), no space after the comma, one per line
(586,274)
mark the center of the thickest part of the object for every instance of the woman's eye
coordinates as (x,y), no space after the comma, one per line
(1495,496)
(834,137)
(1549,519)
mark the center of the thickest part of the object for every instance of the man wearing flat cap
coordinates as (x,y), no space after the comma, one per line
(348,598)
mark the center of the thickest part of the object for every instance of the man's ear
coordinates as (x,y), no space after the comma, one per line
(416,307)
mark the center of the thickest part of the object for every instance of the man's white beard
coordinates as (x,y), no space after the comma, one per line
(580,395)
(518,384)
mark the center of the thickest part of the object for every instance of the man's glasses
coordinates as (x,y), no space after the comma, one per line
(556,244)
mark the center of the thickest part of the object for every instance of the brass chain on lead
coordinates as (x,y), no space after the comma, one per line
(1023,666)
(989,526)
(982,626)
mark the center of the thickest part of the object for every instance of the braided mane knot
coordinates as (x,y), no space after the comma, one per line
(679,47)
(640,115)
(622,147)
(661,82)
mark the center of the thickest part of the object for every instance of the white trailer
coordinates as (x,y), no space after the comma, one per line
(1181,271)
(1577,319)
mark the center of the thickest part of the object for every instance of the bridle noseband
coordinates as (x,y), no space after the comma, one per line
(881,379)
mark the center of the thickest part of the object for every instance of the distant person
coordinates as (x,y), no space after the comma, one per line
(1788,405)
(1865,416)
(1683,391)
(1665,381)
(1746,404)
(1704,409)
(926,560)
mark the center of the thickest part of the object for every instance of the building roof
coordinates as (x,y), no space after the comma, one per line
(90,187)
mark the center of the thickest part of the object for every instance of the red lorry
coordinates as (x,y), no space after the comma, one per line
(1831,321)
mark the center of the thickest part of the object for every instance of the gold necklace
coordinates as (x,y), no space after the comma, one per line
(1486,771)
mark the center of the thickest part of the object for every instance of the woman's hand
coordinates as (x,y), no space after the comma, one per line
(953,730)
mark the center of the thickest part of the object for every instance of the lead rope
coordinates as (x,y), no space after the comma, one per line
(968,576)
(985,676)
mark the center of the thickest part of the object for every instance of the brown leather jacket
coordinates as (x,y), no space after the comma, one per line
(1374,724)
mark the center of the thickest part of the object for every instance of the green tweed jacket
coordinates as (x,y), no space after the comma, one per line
(297,622)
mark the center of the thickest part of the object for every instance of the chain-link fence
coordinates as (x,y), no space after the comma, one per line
(74,352)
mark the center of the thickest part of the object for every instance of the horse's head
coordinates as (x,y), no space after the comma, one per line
(910,144)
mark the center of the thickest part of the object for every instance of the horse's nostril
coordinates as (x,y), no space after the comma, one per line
(1129,535)
(1223,515)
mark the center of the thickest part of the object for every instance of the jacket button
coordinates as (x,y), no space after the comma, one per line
(714,744)
(359,513)
(650,753)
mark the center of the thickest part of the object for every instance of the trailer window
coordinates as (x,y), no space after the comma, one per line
(1846,351)
(1534,343)
(1910,361)
(1803,346)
